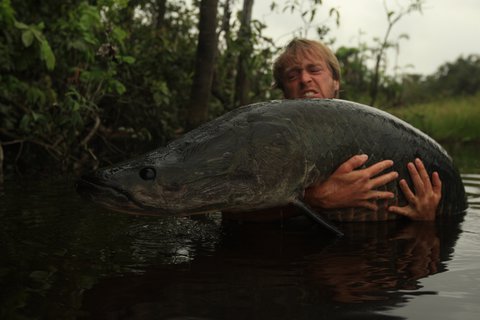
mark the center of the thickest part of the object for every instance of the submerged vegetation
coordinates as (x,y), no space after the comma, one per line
(86,83)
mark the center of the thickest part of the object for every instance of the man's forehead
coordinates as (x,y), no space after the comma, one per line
(303,59)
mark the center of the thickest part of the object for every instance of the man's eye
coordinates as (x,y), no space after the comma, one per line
(315,69)
(292,75)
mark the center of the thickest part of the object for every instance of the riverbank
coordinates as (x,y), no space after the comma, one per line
(450,120)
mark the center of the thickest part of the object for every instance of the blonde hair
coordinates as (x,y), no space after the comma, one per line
(298,48)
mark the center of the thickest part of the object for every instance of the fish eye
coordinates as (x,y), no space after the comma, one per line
(148,173)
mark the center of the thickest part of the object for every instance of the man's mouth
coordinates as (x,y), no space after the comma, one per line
(309,94)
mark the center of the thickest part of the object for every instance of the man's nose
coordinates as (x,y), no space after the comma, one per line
(305,77)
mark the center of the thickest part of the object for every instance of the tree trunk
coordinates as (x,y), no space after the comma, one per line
(161,9)
(204,64)
(223,77)
(1,163)
(242,82)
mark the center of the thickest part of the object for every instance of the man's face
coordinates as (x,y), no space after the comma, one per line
(309,77)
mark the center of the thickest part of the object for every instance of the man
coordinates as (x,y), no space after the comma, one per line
(309,69)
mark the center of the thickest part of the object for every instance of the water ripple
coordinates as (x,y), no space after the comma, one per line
(472,188)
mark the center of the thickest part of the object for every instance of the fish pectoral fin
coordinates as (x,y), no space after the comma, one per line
(315,216)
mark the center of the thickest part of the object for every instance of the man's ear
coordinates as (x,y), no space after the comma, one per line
(336,85)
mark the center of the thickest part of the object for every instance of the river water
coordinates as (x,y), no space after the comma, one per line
(65,258)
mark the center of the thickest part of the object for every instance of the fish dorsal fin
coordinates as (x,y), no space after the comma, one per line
(315,216)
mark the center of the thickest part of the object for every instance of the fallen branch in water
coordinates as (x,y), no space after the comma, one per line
(92,132)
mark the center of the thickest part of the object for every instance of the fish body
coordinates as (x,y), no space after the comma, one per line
(265,155)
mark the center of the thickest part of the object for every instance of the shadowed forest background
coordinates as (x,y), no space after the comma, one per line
(88,83)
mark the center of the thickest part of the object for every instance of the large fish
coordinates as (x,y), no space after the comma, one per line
(265,155)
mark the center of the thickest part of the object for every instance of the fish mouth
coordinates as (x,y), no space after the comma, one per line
(112,197)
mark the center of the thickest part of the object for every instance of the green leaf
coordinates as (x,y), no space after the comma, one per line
(36,116)
(27,38)
(128,59)
(312,14)
(25,122)
(75,106)
(76,119)
(118,87)
(38,34)
(78,44)
(47,55)
(119,34)
(21,26)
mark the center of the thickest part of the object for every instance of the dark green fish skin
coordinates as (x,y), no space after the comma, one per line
(265,155)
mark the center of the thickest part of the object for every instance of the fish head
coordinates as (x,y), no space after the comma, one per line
(184,179)
(238,168)
(162,184)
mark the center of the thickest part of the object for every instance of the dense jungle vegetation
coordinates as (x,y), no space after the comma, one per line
(87,83)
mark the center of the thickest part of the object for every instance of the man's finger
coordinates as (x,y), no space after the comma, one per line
(416,179)
(372,205)
(423,174)
(380,195)
(437,183)
(384,179)
(378,167)
(403,211)
(409,195)
(352,163)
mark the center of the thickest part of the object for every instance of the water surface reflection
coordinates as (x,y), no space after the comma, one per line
(285,273)
(63,258)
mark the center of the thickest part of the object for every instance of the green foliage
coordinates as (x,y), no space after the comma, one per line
(308,11)
(461,77)
(80,82)
(34,33)
(355,73)
(49,107)
(451,120)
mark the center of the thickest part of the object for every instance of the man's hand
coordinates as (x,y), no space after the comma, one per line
(422,205)
(348,187)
